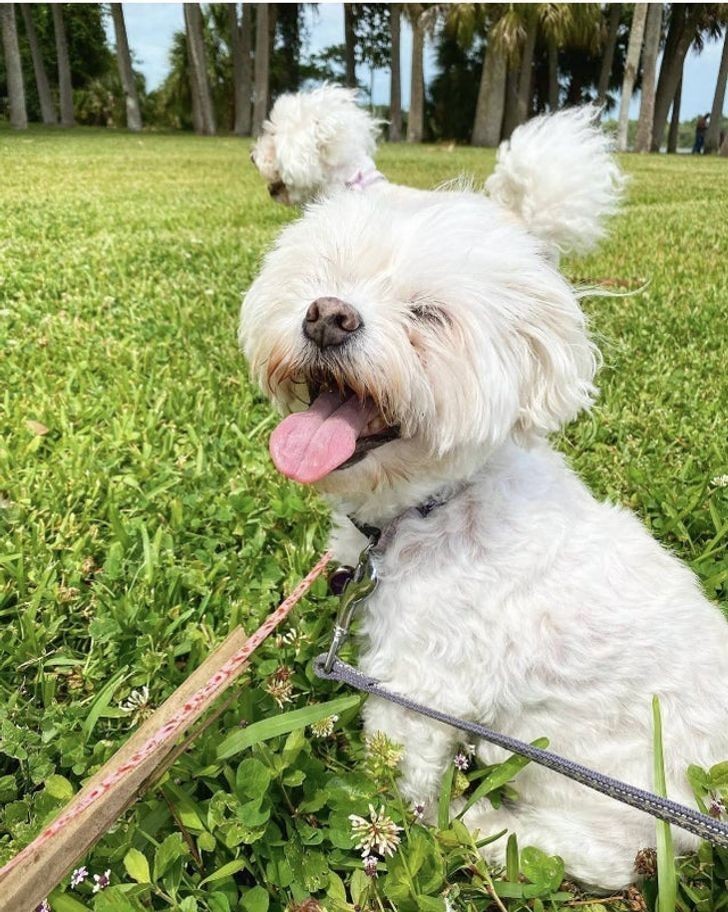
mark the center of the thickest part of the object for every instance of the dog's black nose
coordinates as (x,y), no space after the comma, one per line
(330,321)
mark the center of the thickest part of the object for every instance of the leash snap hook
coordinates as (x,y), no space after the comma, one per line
(357,589)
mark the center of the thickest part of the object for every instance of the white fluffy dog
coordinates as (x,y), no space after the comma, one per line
(423,345)
(315,142)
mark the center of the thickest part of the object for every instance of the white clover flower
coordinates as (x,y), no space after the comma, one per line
(324,728)
(720,481)
(78,876)
(370,865)
(419,811)
(461,761)
(136,701)
(102,881)
(379,834)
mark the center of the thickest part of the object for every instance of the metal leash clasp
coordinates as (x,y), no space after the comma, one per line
(360,586)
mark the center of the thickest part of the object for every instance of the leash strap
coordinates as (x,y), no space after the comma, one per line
(701,825)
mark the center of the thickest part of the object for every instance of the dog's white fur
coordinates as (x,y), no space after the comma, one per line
(522,602)
(314,142)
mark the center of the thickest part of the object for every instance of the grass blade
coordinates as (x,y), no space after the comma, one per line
(666,880)
(503,773)
(281,725)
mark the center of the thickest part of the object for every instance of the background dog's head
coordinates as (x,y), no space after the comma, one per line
(314,141)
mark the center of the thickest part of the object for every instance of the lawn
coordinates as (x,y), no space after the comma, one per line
(141,519)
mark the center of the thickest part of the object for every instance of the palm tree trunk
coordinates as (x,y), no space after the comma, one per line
(262,66)
(395,92)
(491,100)
(350,45)
(525,78)
(553,54)
(724,148)
(198,68)
(241,68)
(64,67)
(712,135)
(672,136)
(47,109)
(615,11)
(685,18)
(630,71)
(510,111)
(246,47)
(416,119)
(653,33)
(13,68)
(133,111)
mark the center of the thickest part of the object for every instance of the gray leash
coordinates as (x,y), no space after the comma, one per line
(663,808)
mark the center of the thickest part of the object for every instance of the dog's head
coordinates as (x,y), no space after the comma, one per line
(313,142)
(407,342)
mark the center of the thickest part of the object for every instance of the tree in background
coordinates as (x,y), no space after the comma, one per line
(674,131)
(45,99)
(262,66)
(712,136)
(610,43)
(395,85)
(64,67)
(350,45)
(634,50)
(203,114)
(13,67)
(126,73)
(240,42)
(683,26)
(653,32)
(417,13)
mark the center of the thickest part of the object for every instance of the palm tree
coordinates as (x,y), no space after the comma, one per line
(350,44)
(395,91)
(610,45)
(64,67)
(47,108)
(630,71)
(712,136)
(416,118)
(684,21)
(203,112)
(674,131)
(653,33)
(490,106)
(262,66)
(13,67)
(128,82)
(240,35)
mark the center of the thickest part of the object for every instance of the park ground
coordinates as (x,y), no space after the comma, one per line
(141,520)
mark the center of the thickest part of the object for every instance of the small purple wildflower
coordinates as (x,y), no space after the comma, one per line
(461,762)
(716,808)
(102,881)
(78,876)
(419,811)
(44,907)
(370,865)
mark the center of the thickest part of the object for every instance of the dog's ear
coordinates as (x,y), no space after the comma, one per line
(558,360)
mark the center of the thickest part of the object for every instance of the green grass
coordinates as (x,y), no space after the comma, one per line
(147,521)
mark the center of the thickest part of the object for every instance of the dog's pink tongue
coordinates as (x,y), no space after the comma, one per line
(308,445)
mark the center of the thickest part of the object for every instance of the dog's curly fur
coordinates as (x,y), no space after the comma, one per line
(313,142)
(522,602)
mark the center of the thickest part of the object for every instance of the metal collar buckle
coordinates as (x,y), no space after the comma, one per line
(360,585)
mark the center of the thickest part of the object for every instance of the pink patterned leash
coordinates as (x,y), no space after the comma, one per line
(363,179)
(179,721)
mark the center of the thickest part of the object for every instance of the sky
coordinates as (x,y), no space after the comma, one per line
(150,27)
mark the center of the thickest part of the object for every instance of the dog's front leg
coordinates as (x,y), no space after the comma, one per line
(428,747)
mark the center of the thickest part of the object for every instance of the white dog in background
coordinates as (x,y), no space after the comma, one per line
(315,142)
(422,345)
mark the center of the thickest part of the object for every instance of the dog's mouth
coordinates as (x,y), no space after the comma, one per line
(337,430)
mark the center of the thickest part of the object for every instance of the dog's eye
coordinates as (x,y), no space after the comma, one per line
(429,313)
